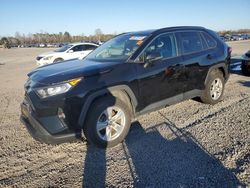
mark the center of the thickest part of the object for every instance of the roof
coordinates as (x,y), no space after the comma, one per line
(78,43)
(179,28)
(166,29)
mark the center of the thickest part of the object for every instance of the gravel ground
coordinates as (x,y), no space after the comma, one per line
(239,47)
(186,145)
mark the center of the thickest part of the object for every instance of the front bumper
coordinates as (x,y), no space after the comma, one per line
(38,127)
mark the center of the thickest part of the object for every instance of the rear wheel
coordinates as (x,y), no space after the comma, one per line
(108,122)
(214,88)
(245,68)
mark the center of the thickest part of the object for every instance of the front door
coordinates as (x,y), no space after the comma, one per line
(164,78)
(78,51)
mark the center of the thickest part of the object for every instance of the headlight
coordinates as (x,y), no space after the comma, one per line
(47,58)
(57,89)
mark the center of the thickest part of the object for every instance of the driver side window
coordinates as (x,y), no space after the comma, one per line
(164,45)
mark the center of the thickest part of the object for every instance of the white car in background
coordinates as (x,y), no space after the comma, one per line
(69,51)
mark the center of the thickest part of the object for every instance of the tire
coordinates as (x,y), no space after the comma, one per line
(214,88)
(245,69)
(97,116)
(58,60)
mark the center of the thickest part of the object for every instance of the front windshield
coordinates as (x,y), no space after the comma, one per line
(118,48)
(64,48)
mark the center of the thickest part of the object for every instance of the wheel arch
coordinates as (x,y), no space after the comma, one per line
(221,67)
(57,59)
(123,92)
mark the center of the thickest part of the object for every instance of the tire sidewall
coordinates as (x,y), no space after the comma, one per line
(94,113)
(213,75)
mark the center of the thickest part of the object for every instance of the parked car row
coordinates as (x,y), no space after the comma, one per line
(235,37)
(40,45)
(51,45)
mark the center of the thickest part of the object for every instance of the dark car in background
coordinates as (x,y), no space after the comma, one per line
(245,64)
(132,74)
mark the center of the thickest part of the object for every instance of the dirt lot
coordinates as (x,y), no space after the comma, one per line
(239,47)
(186,145)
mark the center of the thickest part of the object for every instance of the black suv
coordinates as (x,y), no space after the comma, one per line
(245,64)
(129,75)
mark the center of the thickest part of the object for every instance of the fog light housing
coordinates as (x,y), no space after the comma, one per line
(61,114)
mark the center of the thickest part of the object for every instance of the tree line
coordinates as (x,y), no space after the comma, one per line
(52,38)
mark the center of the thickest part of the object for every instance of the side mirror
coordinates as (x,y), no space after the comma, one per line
(70,51)
(152,58)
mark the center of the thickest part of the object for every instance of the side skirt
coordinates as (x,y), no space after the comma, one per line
(169,101)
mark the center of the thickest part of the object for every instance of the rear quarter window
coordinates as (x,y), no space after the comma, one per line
(210,41)
(190,42)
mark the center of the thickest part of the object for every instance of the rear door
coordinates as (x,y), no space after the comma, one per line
(195,58)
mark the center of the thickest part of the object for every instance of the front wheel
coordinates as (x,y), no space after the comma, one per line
(214,88)
(108,122)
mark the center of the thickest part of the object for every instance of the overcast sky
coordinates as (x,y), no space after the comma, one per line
(84,16)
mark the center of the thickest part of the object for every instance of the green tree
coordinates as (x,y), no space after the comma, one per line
(5,42)
(66,37)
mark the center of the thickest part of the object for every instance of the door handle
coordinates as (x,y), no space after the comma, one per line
(209,56)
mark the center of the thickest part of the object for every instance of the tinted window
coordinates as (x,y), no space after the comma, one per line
(64,48)
(163,45)
(90,47)
(78,48)
(190,42)
(211,43)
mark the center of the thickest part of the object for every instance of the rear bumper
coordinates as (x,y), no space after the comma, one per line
(38,132)
(246,62)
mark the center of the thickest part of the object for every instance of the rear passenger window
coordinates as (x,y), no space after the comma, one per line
(211,43)
(190,42)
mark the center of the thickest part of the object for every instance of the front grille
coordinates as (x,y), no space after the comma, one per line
(27,99)
(38,58)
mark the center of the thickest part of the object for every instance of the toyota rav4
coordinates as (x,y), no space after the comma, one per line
(132,74)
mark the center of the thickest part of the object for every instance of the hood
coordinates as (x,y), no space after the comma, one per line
(67,70)
(48,53)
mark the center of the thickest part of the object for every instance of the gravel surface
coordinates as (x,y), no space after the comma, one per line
(186,145)
(239,47)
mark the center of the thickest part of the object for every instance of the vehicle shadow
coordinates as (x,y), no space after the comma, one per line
(176,159)
(94,174)
(245,83)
